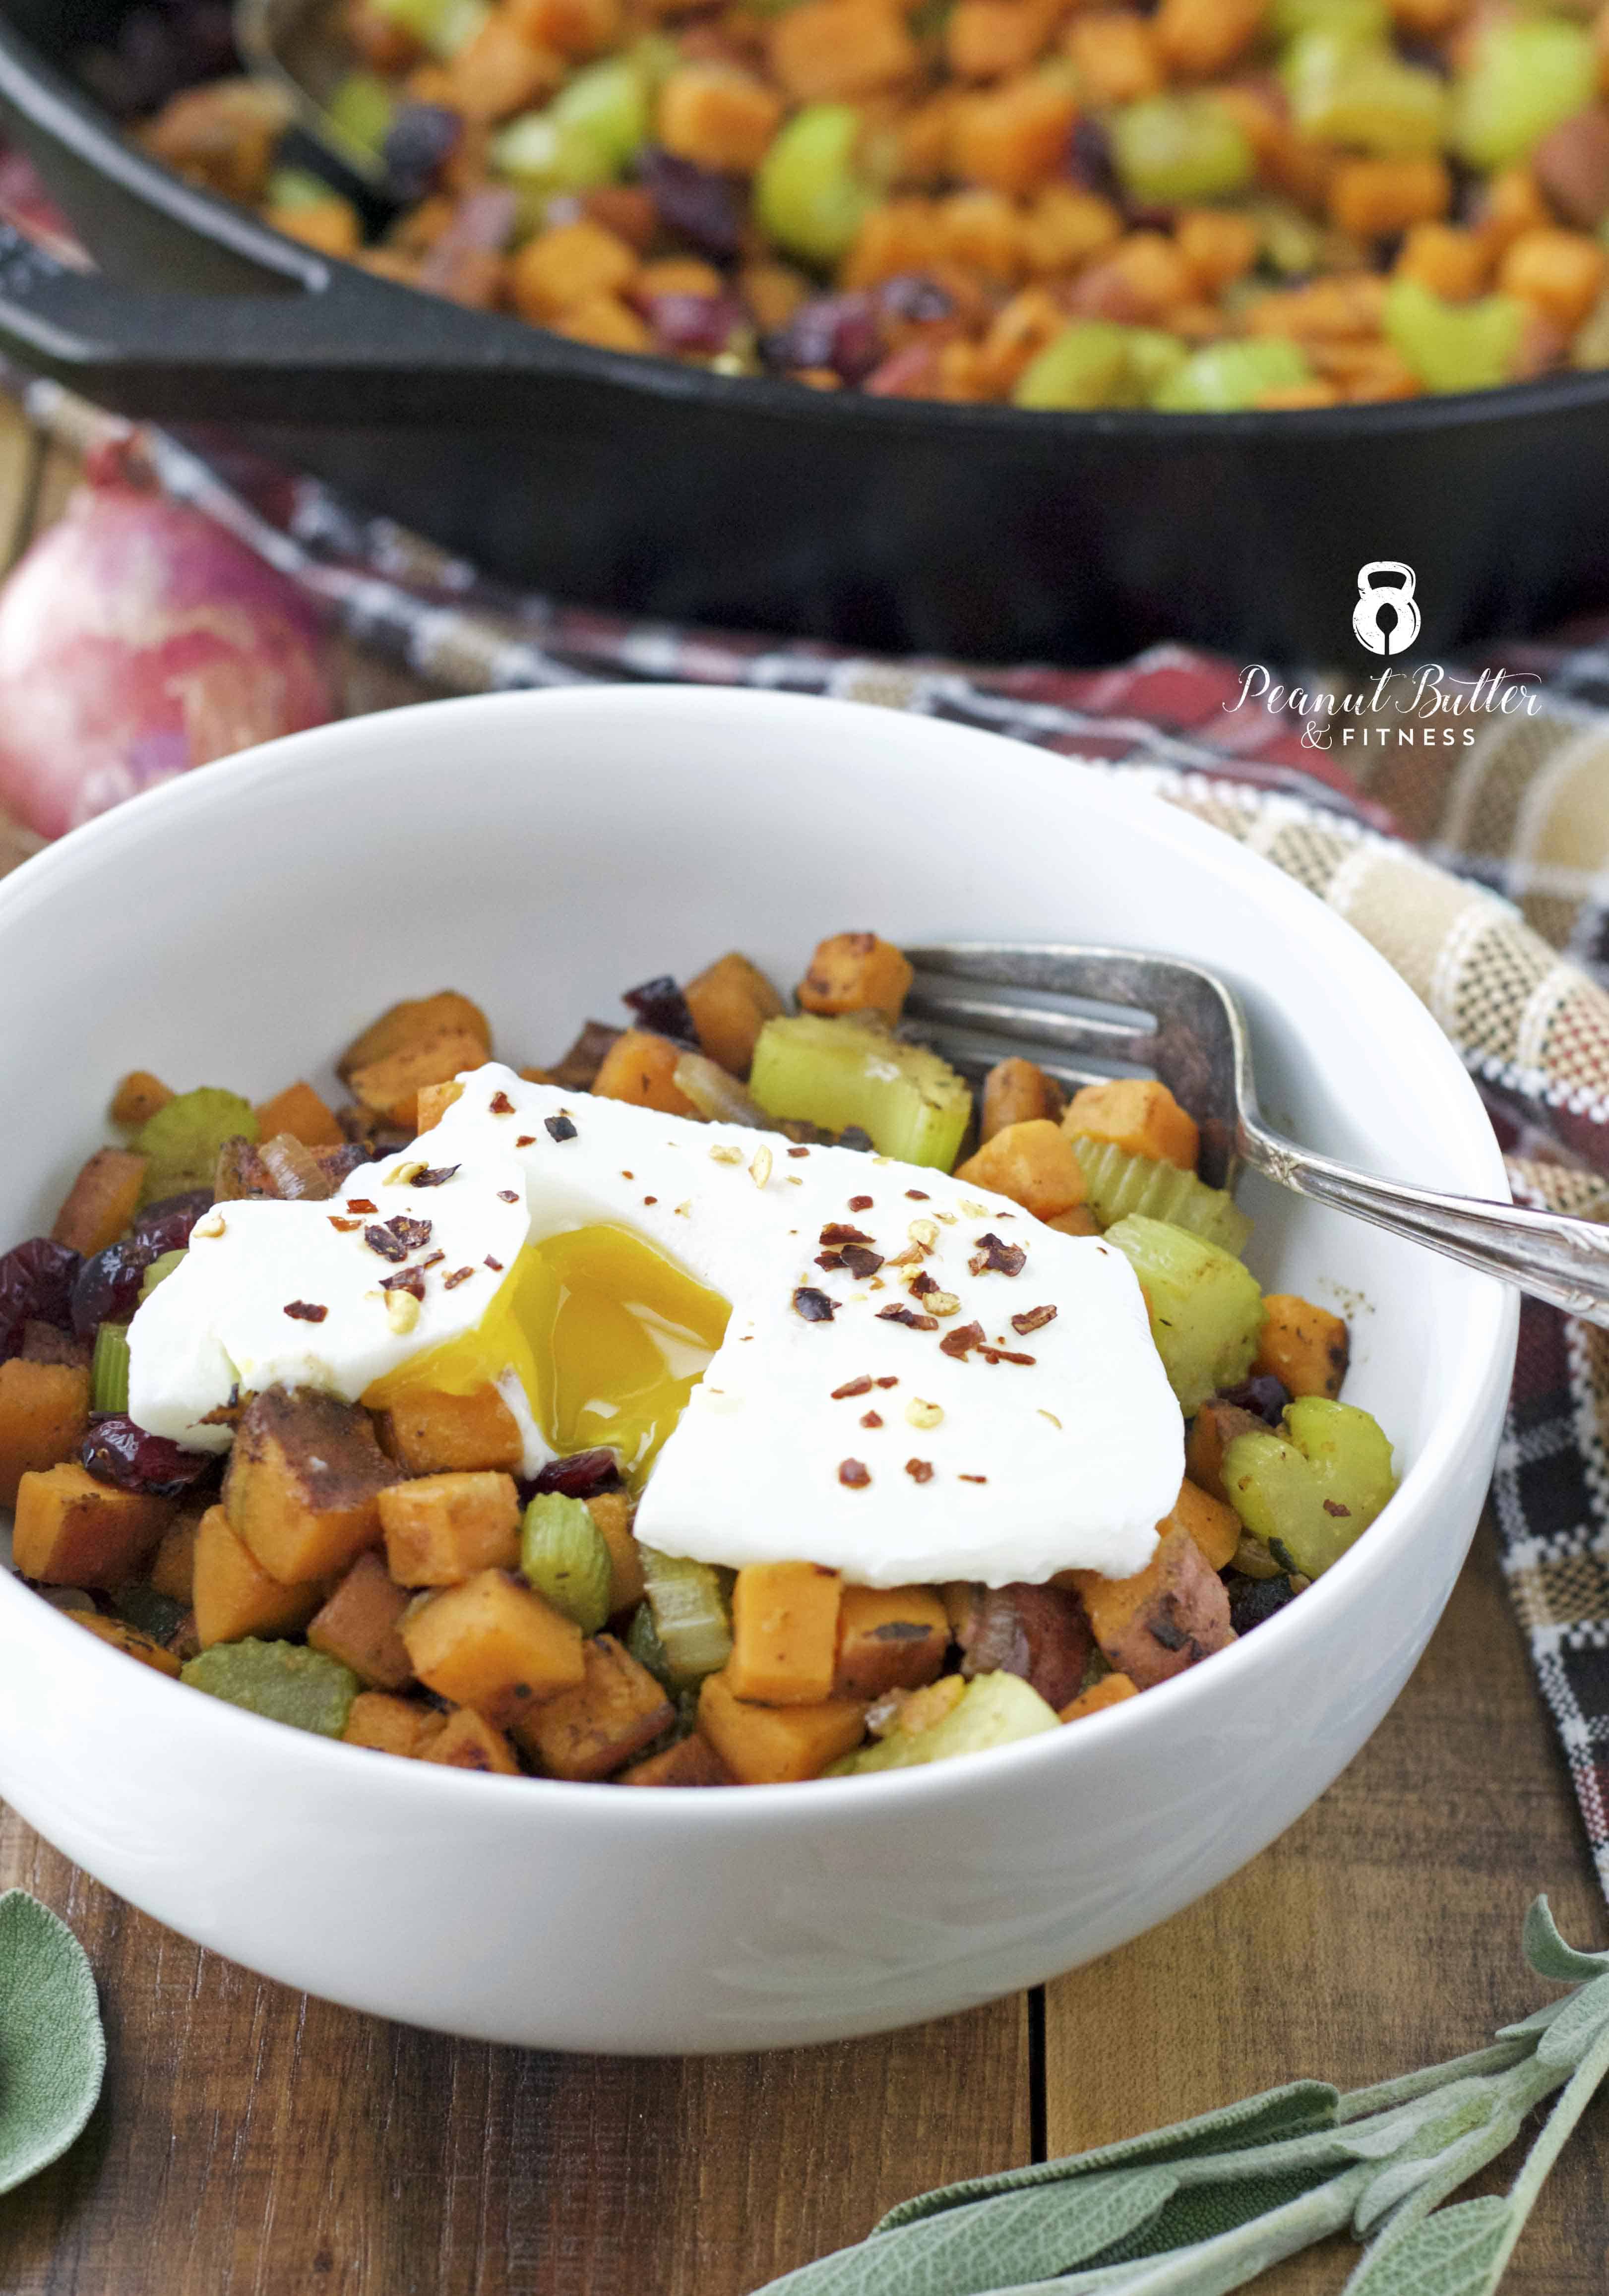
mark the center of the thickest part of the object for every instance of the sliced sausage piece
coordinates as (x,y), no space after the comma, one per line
(1038,1632)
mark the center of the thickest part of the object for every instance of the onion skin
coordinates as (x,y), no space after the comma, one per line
(138,640)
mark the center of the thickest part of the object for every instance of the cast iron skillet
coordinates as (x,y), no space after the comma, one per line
(661,490)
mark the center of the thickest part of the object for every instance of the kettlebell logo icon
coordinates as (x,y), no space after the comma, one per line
(1386,616)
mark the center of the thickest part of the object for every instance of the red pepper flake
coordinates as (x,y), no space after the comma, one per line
(995,1255)
(508,1195)
(961,1340)
(559,1128)
(501,1105)
(388,1246)
(1005,1355)
(839,1232)
(412,1279)
(861,1386)
(526,1140)
(1034,1320)
(627,1175)
(345,1225)
(972,1479)
(651,1200)
(831,1260)
(435,1176)
(920,1471)
(815,1307)
(860,1262)
(305,1311)
(918,1195)
(860,1203)
(1332,1506)
(434,1261)
(459,1276)
(495,1265)
(415,1233)
(909,1317)
(888,1381)
(361,1204)
(922,1283)
(799,1152)
(853,1475)
(871,1418)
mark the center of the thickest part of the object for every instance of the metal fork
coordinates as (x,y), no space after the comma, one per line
(1063,1007)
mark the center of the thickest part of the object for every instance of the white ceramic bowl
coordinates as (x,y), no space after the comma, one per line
(541,852)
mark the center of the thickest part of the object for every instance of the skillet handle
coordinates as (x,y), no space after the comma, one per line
(348,348)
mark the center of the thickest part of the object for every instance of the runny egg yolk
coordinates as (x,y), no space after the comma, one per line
(606,1335)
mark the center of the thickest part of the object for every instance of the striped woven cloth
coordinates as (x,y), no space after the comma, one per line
(1479,868)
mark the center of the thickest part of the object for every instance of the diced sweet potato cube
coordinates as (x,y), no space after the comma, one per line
(1304,1346)
(408,1023)
(923,1709)
(130,1640)
(1560,272)
(304,1481)
(304,1114)
(692,1761)
(173,1565)
(1079,1221)
(605,320)
(1138,1115)
(614,1711)
(467,1741)
(776,1745)
(494,1645)
(234,1596)
(73,1532)
(139,1096)
(1213,1429)
(731,1001)
(1446,258)
(390,1725)
(102,1201)
(44,1417)
(1211,1523)
(1033,1164)
(566,265)
(611,1511)
(497,72)
(358,1626)
(433,1102)
(1371,198)
(1014,137)
(1110,1690)
(431,1434)
(986,40)
(1116,54)
(441,1528)
(575,27)
(719,117)
(1198,37)
(888,1638)
(640,1067)
(1164,1617)
(1016,1092)
(785,1633)
(835,51)
(391,1086)
(856,972)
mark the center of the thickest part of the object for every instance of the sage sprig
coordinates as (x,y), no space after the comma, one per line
(1207,2205)
(53,2050)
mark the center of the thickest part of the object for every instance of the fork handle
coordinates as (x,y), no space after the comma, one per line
(1548,1255)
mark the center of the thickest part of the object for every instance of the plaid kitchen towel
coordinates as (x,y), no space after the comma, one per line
(1478,866)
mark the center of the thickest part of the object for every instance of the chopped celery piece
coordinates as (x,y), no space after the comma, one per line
(362,108)
(442,26)
(690,1616)
(297,187)
(109,1369)
(610,102)
(158,1271)
(1346,90)
(1168,148)
(849,1070)
(808,195)
(280,1680)
(1223,376)
(1205,1309)
(183,1139)
(1293,243)
(1309,1492)
(996,1709)
(1527,76)
(1359,20)
(1118,1182)
(565,1560)
(643,1641)
(541,153)
(1454,346)
(1097,362)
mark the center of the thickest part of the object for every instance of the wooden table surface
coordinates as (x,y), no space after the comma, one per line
(254,2142)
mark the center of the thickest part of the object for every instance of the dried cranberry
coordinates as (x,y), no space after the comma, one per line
(660,1006)
(1261,1393)
(839,332)
(107,1288)
(705,207)
(35,1287)
(116,1451)
(419,141)
(582,1476)
(915,299)
(695,326)
(1089,161)
(167,1224)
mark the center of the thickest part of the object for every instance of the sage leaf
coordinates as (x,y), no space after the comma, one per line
(1015,2236)
(1572,2032)
(1454,2252)
(53,2050)
(1549,1956)
(1203,2211)
(1295,2110)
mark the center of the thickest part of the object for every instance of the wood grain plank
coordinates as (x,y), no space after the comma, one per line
(1380,1932)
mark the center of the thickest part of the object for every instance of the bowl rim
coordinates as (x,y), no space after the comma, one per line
(1488,1329)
